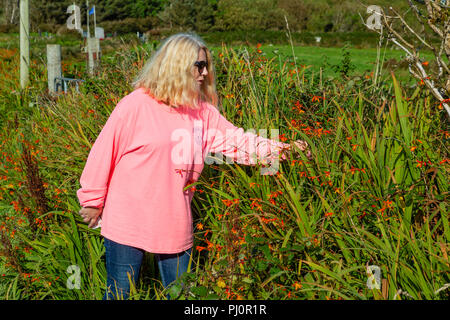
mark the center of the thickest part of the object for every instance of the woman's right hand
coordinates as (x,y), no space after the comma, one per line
(303,146)
(90,215)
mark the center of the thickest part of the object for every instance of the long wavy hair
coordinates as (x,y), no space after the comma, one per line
(168,76)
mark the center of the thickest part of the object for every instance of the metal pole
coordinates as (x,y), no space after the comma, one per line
(24,43)
(95,23)
(87,11)
(89,43)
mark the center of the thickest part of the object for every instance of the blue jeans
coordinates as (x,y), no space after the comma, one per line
(123,261)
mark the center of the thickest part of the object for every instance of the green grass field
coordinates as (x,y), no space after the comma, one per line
(314,57)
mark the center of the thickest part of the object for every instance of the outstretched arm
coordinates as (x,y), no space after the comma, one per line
(243,147)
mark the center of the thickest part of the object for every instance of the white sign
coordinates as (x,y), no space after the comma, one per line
(99,33)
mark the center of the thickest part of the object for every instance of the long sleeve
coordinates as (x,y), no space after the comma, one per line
(242,147)
(103,157)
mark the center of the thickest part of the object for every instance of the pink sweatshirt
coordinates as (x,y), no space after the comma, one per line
(143,158)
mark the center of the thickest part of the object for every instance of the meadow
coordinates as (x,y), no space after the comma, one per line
(373,197)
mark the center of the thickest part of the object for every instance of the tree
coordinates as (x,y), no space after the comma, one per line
(204,11)
(179,14)
(434,18)
(145,8)
(249,15)
(195,15)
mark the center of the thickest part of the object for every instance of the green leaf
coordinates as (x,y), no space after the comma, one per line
(200,291)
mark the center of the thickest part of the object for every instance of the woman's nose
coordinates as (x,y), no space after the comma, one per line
(205,72)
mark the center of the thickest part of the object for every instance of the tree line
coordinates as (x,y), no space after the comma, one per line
(202,15)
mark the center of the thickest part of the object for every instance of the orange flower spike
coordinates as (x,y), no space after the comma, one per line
(200,248)
(316,98)
(297,285)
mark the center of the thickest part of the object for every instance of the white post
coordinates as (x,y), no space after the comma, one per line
(24,43)
(87,11)
(53,65)
(95,23)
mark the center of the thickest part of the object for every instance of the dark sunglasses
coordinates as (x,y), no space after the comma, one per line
(201,65)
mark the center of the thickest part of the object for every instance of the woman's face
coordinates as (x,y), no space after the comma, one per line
(201,67)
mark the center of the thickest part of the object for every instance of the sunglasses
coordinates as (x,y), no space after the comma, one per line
(201,65)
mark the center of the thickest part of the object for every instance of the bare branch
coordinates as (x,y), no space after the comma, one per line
(396,34)
(436,18)
(430,5)
(412,31)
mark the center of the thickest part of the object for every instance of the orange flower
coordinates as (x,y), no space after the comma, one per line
(199,226)
(282,137)
(420,164)
(227,202)
(425,63)
(255,203)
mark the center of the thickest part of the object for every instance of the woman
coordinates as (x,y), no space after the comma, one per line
(152,146)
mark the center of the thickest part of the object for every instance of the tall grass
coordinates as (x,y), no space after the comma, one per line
(374,193)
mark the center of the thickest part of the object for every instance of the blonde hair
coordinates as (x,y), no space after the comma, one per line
(168,76)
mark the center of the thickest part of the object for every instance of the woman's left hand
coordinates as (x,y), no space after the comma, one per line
(303,145)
